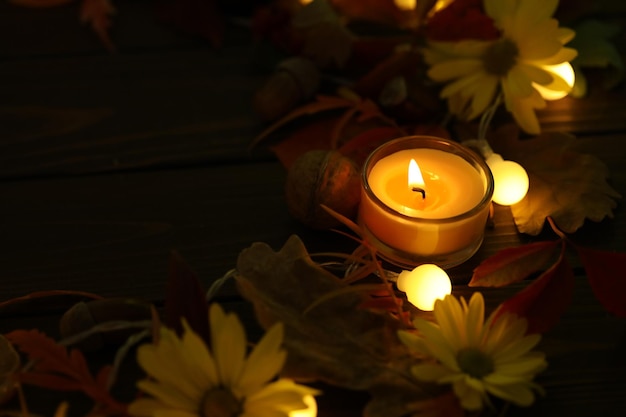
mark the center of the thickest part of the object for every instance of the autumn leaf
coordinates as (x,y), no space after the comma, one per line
(196,17)
(185,298)
(97,13)
(336,342)
(9,364)
(565,184)
(56,368)
(545,299)
(606,272)
(513,264)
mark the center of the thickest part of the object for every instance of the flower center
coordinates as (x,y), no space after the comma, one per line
(474,362)
(500,57)
(220,402)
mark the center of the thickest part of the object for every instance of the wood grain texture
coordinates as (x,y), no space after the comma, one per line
(110,161)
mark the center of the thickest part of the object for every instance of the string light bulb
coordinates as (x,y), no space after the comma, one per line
(510,180)
(424,285)
(556,90)
(309,411)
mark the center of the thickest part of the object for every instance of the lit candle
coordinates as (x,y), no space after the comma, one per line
(309,411)
(424,285)
(441,221)
(510,180)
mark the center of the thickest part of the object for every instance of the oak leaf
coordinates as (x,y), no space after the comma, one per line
(335,342)
(565,184)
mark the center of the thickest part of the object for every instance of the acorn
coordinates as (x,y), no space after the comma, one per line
(294,80)
(322,177)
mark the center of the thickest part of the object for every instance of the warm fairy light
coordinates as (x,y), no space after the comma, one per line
(552,91)
(310,411)
(405,4)
(416,180)
(424,285)
(510,180)
(440,4)
(305,2)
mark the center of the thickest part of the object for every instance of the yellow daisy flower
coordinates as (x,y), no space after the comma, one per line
(476,70)
(189,380)
(476,357)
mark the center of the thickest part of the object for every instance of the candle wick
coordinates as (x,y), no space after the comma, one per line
(419,190)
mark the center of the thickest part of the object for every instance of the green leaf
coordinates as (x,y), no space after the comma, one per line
(595,49)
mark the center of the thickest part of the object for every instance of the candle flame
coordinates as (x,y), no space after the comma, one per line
(415,175)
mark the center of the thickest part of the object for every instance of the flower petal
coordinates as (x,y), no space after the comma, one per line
(264,362)
(454,68)
(168,396)
(228,340)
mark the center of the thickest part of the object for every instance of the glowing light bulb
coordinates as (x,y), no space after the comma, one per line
(510,180)
(424,285)
(405,4)
(556,90)
(309,411)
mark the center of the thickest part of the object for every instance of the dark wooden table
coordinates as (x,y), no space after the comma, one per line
(110,161)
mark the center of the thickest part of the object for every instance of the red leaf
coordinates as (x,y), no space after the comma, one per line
(57,369)
(605,271)
(185,298)
(359,147)
(513,264)
(544,300)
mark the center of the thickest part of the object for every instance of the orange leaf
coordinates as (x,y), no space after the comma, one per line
(359,147)
(313,136)
(605,271)
(513,264)
(322,103)
(544,300)
(96,13)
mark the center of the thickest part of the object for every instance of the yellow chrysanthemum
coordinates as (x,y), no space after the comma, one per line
(189,380)
(476,357)
(531,40)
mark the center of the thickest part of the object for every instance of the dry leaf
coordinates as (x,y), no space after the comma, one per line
(335,342)
(565,184)
(97,13)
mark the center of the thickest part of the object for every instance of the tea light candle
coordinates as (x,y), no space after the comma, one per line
(438,214)
(309,411)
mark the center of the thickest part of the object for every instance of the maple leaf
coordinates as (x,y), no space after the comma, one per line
(56,368)
(97,13)
(513,264)
(607,276)
(565,184)
(545,299)
(335,342)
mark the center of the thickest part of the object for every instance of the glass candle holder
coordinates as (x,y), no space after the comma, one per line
(437,217)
